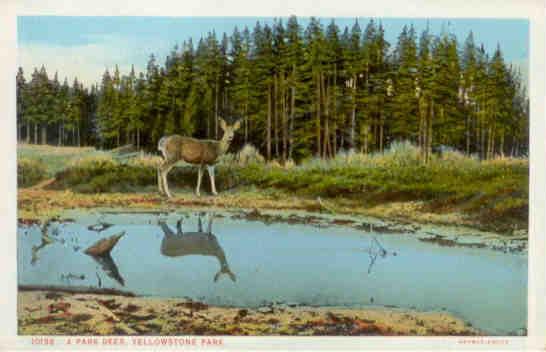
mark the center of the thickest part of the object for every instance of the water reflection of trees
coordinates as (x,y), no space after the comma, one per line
(46,240)
(200,242)
(109,267)
(100,252)
(376,250)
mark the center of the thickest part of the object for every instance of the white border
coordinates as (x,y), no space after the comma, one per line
(531,9)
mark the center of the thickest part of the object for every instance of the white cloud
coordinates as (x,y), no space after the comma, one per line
(87,62)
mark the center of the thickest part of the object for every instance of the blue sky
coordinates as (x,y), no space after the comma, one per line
(86,46)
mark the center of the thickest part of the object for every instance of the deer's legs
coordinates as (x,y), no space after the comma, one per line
(160,180)
(199,177)
(211,175)
(164,170)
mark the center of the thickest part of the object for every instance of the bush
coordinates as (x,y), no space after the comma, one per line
(104,174)
(30,172)
(494,187)
(249,155)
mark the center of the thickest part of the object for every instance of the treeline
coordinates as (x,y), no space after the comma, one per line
(299,92)
(49,112)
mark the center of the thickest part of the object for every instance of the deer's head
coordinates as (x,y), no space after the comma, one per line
(229,130)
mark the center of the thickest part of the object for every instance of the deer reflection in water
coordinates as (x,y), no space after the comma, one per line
(194,243)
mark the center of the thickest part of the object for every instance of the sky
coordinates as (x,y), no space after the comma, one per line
(86,46)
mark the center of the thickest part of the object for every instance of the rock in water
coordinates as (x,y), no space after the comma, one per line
(104,246)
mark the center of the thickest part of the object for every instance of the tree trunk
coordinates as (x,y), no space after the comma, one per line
(334,139)
(501,145)
(366,128)
(28,132)
(420,134)
(353,114)
(35,133)
(375,132)
(482,139)
(477,135)
(79,140)
(246,121)
(334,134)
(276,114)
(284,121)
(208,125)
(429,134)
(44,133)
(216,109)
(138,138)
(292,112)
(342,134)
(60,139)
(317,111)
(381,131)
(324,100)
(268,127)
(467,133)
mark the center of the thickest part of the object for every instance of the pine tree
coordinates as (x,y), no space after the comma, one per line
(22,101)
(405,112)
(298,92)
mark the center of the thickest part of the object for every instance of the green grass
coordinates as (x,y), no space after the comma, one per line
(30,172)
(55,158)
(495,190)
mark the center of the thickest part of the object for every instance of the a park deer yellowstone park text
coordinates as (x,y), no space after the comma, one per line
(200,152)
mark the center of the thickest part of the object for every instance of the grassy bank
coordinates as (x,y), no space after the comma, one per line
(450,188)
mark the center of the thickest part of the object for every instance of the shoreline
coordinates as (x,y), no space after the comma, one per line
(37,205)
(44,312)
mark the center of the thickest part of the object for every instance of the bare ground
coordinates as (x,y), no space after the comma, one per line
(55,313)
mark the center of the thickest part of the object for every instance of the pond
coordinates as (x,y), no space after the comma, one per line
(249,263)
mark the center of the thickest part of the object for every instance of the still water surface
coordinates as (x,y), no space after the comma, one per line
(249,263)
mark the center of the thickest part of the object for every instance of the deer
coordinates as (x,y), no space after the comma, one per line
(199,152)
(194,243)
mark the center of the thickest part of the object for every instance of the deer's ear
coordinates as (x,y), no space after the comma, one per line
(223,124)
(237,125)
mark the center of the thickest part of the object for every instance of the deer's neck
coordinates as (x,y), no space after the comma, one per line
(223,146)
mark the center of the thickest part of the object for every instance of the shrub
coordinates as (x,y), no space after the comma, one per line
(249,155)
(30,172)
(145,160)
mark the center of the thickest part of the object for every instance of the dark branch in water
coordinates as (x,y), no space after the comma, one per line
(375,250)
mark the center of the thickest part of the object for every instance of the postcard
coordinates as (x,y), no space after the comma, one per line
(291,179)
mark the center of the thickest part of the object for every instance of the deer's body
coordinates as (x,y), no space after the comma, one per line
(194,243)
(191,150)
(200,152)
